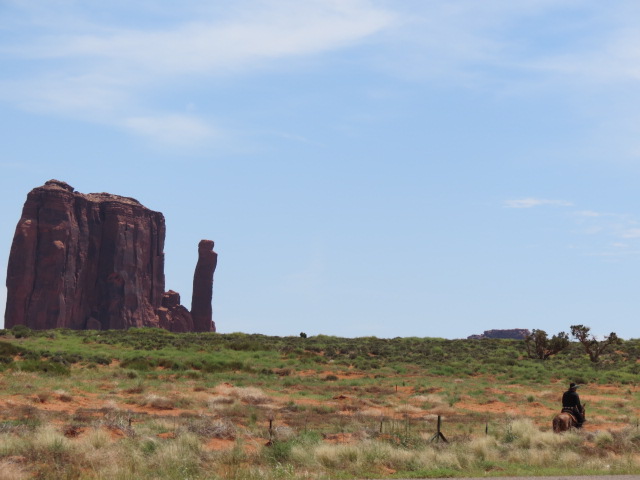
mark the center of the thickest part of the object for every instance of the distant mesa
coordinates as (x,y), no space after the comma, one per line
(96,261)
(514,334)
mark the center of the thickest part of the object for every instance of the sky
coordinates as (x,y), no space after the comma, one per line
(365,167)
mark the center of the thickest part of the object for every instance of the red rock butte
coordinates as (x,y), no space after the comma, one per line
(96,261)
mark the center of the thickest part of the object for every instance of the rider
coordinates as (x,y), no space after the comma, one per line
(571,404)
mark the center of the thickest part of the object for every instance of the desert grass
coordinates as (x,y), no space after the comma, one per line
(522,443)
(107,450)
(235,406)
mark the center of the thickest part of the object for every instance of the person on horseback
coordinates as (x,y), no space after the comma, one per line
(571,404)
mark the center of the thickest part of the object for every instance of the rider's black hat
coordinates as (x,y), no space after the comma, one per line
(573,385)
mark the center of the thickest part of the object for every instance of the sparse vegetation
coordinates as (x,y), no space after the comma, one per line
(152,404)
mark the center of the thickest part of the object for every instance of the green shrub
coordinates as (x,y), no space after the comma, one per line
(100,359)
(8,351)
(245,346)
(21,331)
(140,364)
(210,366)
(170,364)
(48,367)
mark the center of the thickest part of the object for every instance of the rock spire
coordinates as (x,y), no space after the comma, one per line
(201,311)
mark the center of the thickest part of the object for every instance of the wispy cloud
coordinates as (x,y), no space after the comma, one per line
(84,66)
(615,226)
(630,233)
(107,64)
(615,59)
(609,234)
(614,234)
(272,30)
(480,42)
(588,214)
(531,202)
(176,130)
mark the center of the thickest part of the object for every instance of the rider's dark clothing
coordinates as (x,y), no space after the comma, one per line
(571,403)
(570,398)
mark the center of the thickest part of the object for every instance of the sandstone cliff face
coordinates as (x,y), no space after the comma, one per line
(79,259)
(91,261)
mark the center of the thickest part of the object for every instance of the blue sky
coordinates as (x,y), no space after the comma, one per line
(386,168)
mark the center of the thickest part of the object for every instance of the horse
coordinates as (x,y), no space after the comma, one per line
(566,421)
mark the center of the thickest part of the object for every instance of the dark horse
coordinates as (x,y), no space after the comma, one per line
(566,421)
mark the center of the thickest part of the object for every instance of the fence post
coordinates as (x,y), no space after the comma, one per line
(439,436)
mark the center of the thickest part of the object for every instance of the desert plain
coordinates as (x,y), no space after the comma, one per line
(146,403)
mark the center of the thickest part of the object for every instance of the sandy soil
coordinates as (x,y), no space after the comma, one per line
(402,403)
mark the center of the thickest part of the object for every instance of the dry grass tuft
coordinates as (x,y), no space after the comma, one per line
(442,410)
(408,410)
(429,401)
(63,395)
(220,400)
(137,388)
(283,433)
(249,395)
(98,439)
(42,397)
(11,469)
(371,412)
(72,431)
(180,458)
(205,426)
(156,401)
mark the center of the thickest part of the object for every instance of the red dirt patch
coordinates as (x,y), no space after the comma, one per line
(217,444)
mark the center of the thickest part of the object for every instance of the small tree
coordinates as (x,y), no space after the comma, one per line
(592,346)
(540,346)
